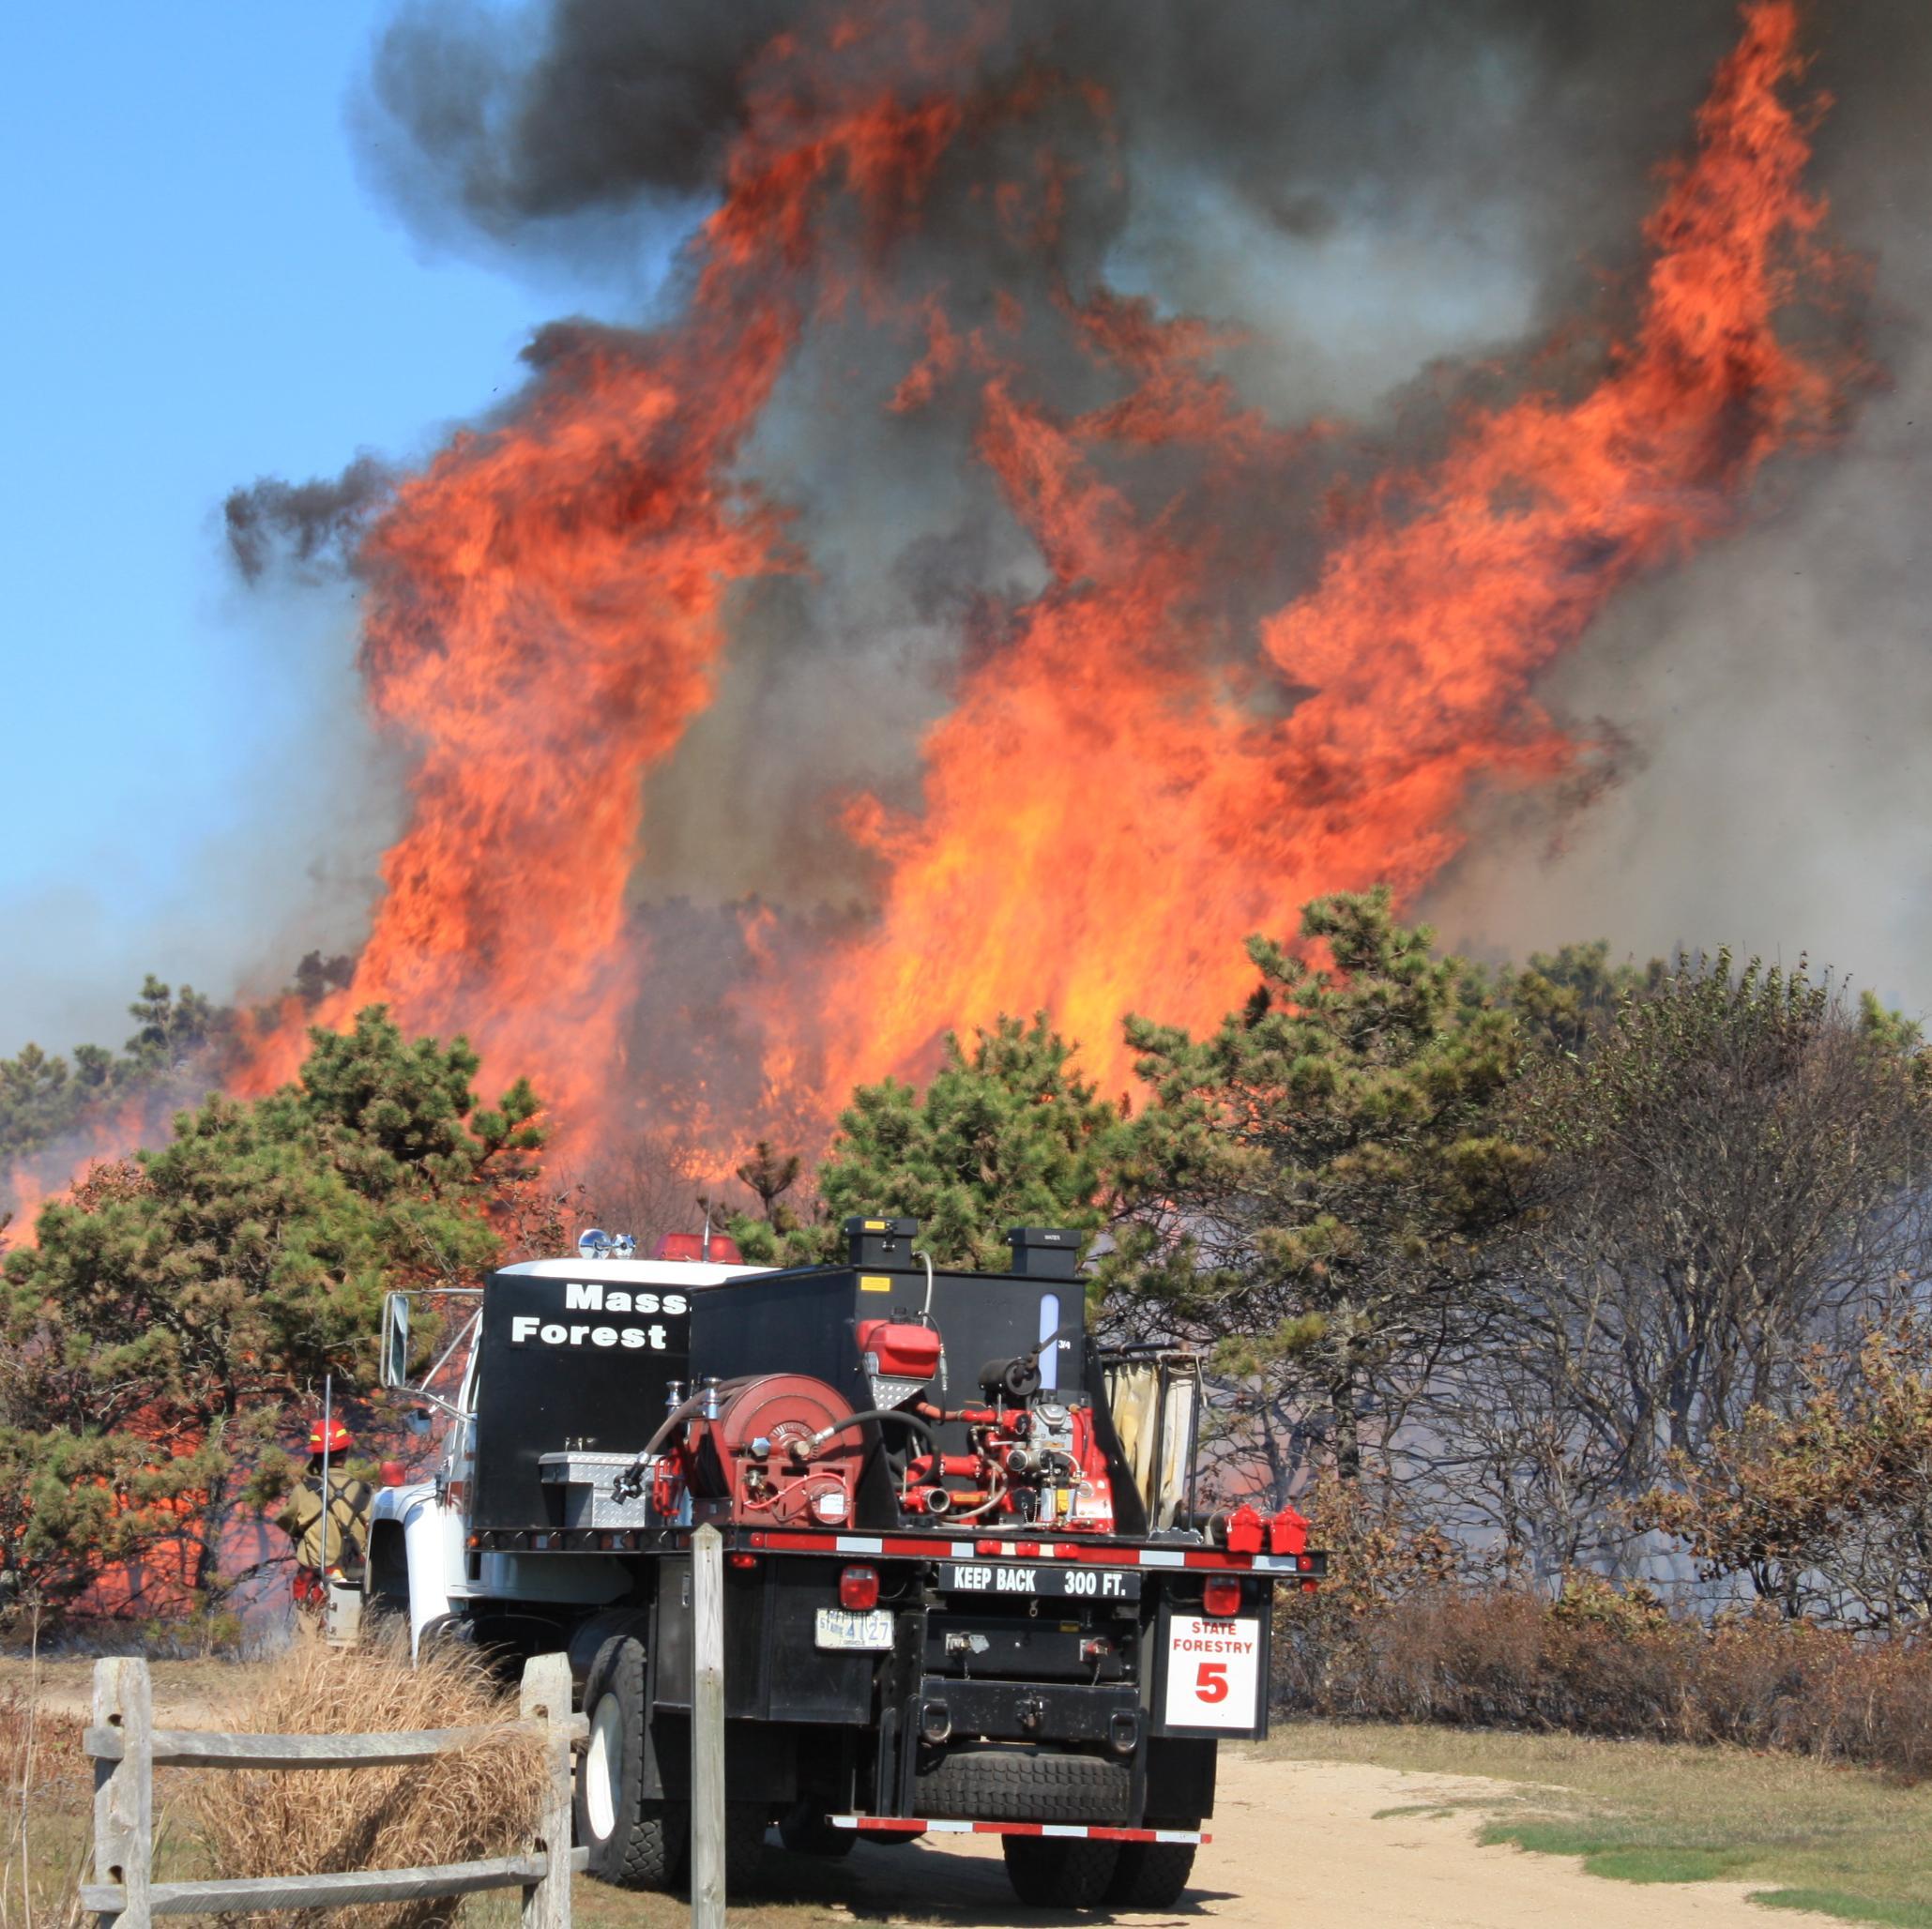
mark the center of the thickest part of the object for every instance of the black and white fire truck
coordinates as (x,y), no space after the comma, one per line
(967,1584)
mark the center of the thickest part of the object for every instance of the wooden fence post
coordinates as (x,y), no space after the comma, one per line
(708,1729)
(126,1745)
(546,1697)
(124,1790)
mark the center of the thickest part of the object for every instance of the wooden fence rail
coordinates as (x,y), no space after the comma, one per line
(127,1748)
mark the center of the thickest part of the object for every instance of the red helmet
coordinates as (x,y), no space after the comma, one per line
(337,1438)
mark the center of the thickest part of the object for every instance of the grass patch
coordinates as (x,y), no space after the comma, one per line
(1622,1862)
(1849,1908)
(1844,1842)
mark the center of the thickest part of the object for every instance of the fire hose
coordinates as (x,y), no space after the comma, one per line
(802,1450)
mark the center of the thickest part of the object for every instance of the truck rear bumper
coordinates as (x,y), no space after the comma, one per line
(913,1825)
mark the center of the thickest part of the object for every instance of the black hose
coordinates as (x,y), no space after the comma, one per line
(853,1419)
(630,1484)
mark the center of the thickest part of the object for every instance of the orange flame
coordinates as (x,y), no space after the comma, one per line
(1152,762)
(32,1182)
(547,603)
(1105,819)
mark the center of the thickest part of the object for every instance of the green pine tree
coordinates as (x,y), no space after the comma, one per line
(177,1311)
(1311,1182)
(1007,1134)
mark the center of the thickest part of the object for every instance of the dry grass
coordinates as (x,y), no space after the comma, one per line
(1611,1666)
(479,1802)
(49,1793)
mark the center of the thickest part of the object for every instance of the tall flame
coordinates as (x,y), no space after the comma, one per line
(1159,754)
(1104,822)
(547,602)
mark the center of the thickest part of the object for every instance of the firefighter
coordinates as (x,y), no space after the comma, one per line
(332,1551)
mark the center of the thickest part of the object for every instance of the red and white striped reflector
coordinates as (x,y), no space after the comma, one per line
(912,1825)
(935,1548)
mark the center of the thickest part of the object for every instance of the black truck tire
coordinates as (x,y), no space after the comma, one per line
(633,1843)
(1059,1872)
(804,1831)
(994,1785)
(1150,1875)
(745,1823)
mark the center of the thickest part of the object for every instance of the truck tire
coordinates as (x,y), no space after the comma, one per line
(994,1785)
(804,1831)
(1150,1875)
(633,1843)
(745,1823)
(1059,1872)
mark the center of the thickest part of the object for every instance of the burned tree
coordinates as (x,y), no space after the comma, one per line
(1727,1179)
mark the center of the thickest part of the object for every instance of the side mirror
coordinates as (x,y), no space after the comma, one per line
(394,1363)
(419,1422)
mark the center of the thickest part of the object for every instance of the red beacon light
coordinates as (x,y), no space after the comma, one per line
(1241,1532)
(713,1249)
(1287,1532)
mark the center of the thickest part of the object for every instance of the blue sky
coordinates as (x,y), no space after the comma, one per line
(200,290)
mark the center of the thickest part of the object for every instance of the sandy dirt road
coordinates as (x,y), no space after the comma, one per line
(1294,1841)
(1312,1842)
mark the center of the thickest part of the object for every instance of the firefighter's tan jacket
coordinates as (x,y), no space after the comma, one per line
(348,1525)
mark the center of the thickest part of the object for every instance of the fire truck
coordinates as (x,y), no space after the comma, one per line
(969,1586)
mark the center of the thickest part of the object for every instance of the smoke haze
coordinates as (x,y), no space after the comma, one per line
(1776,693)
(1391,216)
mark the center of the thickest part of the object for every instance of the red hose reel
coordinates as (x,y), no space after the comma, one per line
(744,1464)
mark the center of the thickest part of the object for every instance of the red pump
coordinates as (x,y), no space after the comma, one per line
(1039,1463)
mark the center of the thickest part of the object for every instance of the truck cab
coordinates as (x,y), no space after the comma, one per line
(421,1559)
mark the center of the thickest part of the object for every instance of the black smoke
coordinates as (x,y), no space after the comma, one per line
(1400,206)
(311,526)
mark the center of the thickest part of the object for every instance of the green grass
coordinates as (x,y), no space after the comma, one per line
(1841,1842)
(1850,1909)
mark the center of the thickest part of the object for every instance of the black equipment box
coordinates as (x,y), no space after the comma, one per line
(881,1241)
(807,1321)
(1045,1252)
(568,1360)
(575,1357)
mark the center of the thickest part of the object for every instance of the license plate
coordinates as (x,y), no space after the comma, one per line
(1039,1583)
(847,1628)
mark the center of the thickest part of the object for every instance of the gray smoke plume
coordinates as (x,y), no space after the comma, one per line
(1777,689)
(1389,200)
(313,526)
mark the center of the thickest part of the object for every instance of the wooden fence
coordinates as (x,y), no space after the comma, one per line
(127,1748)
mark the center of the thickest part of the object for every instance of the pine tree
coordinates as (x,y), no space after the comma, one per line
(178,1309)
(1006,1134)
(1311,1180)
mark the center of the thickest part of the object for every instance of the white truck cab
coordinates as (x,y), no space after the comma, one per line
(421,1559)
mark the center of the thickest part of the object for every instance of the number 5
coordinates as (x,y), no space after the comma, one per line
(1210,1684)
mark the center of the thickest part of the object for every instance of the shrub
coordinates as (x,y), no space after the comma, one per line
(479,1802)
(1600,1661)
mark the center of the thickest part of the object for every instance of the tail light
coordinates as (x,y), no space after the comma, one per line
(858,1588)
(1220,1599)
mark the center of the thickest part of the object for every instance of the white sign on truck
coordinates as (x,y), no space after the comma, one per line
(1214,1672)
